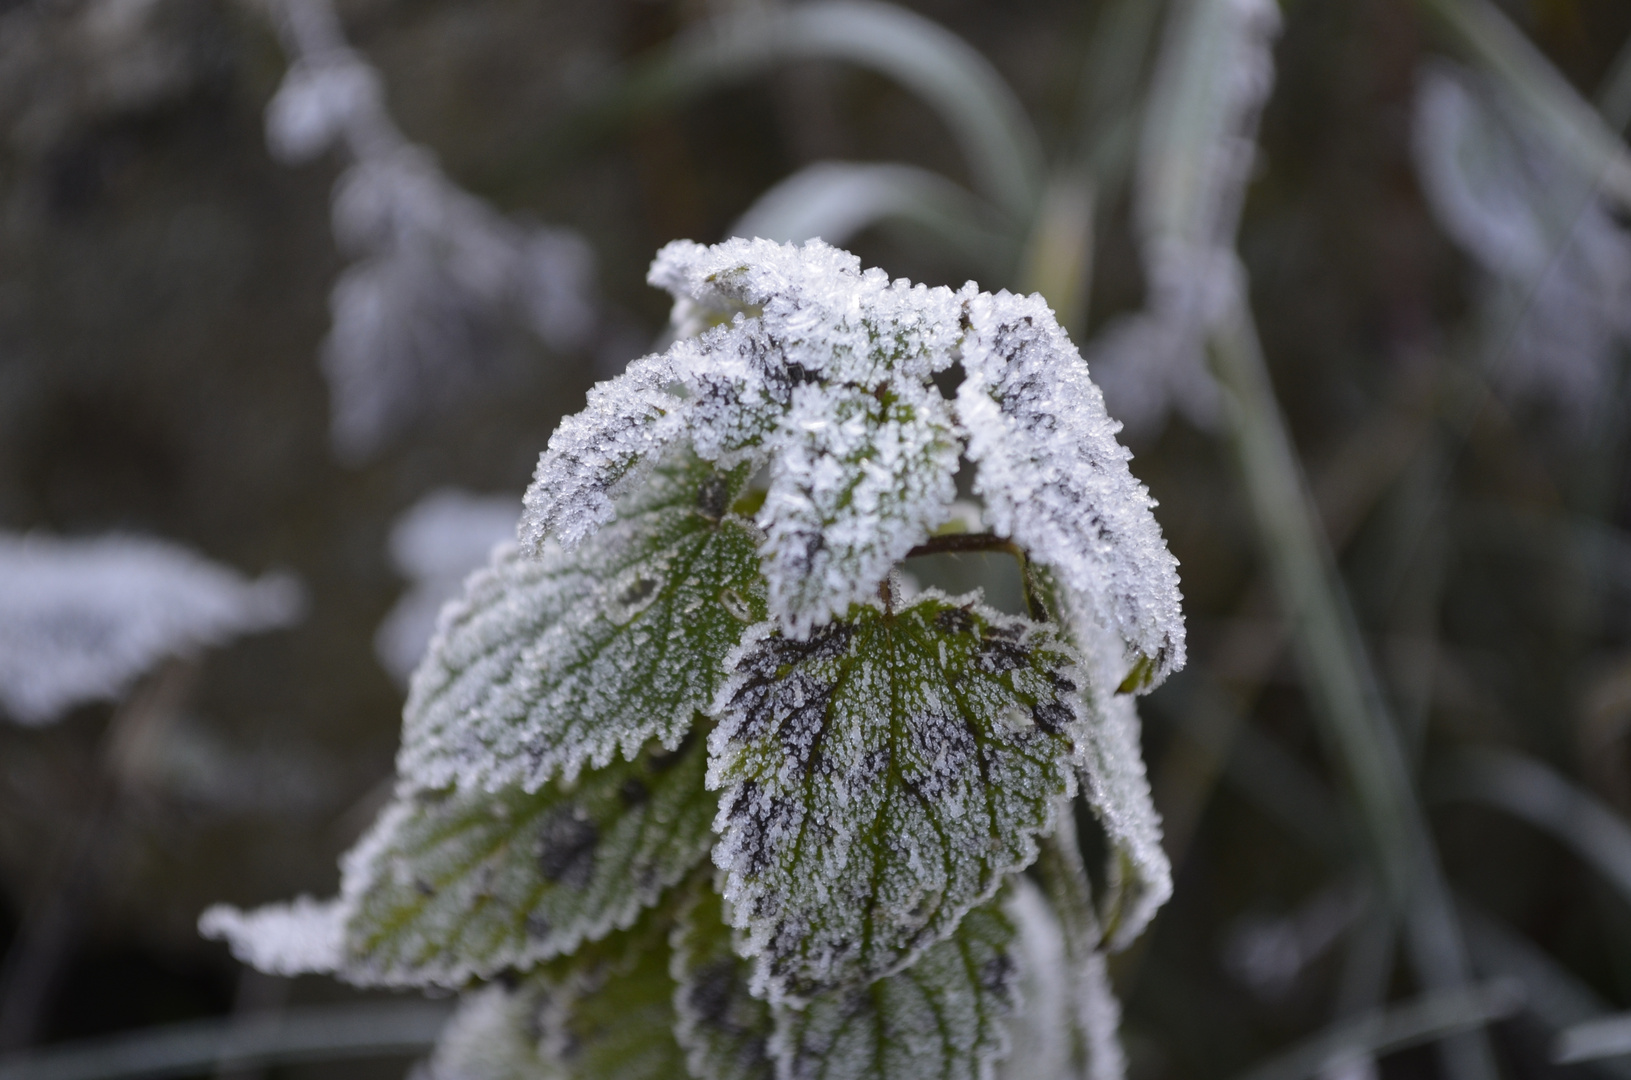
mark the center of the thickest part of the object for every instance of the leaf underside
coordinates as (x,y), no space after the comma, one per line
(455,885)
(552,663)
(880,780)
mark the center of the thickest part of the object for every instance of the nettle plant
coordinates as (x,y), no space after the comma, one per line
(704,643)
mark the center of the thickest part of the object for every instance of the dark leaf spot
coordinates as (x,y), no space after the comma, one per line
(566,848)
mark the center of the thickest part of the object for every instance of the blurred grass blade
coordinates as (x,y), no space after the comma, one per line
(1529,790)
(835,200)
(317,1033)
(1553,995)
(1609,1036)
(1429,1017)
(1058,260)
(1579,133)
(1108,100)
(1355,721)
(1000,146)
(1614,95)
(1213,74)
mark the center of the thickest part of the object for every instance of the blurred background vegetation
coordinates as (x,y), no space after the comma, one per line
(1456,402)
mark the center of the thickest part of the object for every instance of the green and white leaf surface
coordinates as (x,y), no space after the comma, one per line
(881,778)
(724,1029)
(943,1018)
(453,885)
(609,1009)
(549,664)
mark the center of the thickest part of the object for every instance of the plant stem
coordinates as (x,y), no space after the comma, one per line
(964,543)
(1356,723)
(959,543)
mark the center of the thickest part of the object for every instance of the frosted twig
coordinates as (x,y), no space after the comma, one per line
(438,273)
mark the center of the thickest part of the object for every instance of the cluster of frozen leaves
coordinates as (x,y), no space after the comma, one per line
(697,648)
(80,620)
(438,275)
(1554,258)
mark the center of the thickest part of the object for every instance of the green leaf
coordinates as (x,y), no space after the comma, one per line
(493,1036)
(552,663)
(454,885)
(943,1018)
(724,1029)
(880,780)
(609,1008)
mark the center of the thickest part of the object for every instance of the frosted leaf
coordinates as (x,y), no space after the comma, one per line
(1056,481)
(1115,785)
(880,778)
(1114,781)
(435,545)
(943,1018)
(454,885)
(492,1036)
(724,1029)
(859,483)
(1558,263)
(631,423)
(609,1008)
(81,619)
(811,364)
(304,936)
(548,664)
(1039,1032)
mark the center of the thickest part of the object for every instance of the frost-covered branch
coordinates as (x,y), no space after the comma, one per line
(438,274)
(698,649)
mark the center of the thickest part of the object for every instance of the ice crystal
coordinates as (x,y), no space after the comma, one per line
(304,936)
(435,545)
(1544,238)
(81,619)
(547,664)
(1214,73)
(943,1018)
(880,779)
(826,372)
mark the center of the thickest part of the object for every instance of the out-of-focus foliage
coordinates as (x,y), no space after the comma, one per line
(1431,239)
